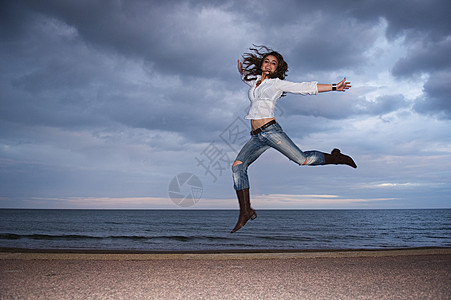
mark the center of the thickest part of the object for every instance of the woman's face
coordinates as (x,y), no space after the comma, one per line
(269,64)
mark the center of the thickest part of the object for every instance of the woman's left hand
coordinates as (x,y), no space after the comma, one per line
(343,85)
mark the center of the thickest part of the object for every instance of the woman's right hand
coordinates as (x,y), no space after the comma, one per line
(240,67)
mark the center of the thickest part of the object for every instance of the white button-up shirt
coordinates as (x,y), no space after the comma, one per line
(264,97)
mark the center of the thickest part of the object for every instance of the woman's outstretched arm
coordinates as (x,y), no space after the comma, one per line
(341,86)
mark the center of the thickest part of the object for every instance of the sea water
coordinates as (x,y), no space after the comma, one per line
(207,230)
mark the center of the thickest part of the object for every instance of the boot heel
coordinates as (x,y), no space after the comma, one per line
(254,216)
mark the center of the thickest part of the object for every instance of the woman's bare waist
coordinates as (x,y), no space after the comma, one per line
(260,122)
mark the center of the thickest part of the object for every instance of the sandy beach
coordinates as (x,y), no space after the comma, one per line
(382,274)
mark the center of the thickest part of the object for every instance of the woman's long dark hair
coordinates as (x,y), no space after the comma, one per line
(252,63)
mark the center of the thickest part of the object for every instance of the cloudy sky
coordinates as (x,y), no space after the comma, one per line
(105,104)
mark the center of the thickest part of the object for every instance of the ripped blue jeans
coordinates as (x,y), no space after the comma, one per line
(271,137)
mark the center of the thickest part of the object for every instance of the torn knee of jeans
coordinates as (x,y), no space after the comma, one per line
(238,166)
(237,162)
(279,142)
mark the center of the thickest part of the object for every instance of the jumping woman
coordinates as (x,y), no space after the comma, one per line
(264,70)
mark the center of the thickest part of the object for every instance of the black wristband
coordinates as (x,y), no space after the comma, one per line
(334,87)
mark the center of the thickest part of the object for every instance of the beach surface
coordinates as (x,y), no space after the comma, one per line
(379,274)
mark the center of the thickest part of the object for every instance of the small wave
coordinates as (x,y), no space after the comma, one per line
(180,238)
(183,238)
(9,236)
(12,236)
(285,238)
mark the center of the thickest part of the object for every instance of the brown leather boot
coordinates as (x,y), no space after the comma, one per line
(246,212)
(337,158)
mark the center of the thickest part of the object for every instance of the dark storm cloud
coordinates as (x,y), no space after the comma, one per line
(173,36)
(425,27)
(57,79)
(312,36)
(425,58)
(182,37)
(331,37)
(345,106)
(62,58)
(432,61)
(436,100)
(416,19)
(176,110)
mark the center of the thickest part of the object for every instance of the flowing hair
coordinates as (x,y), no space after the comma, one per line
(252,63)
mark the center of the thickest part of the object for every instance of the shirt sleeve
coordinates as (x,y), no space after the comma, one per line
(303,88)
